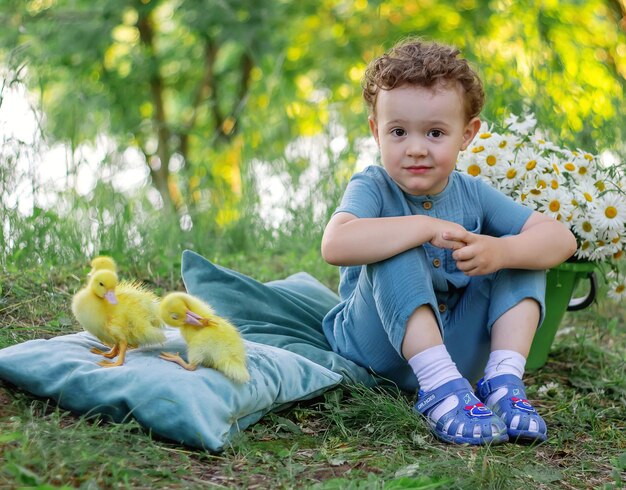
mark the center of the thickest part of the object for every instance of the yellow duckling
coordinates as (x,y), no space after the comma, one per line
(102,262)
(119,314)
(212,341)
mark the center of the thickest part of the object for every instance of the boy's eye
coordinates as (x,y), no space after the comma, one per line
(435,133)
(398,132)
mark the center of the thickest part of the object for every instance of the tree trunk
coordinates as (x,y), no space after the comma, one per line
(159,170)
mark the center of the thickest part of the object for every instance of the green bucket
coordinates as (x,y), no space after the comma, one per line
(560,284)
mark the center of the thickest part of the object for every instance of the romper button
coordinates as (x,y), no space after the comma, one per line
(427,205)
(442,308)
(436,262)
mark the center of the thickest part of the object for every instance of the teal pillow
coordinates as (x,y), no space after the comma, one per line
(202,408)
(287,313)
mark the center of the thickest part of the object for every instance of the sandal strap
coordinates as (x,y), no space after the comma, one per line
(469,412)
(513,404)
(427,400)
(487,387)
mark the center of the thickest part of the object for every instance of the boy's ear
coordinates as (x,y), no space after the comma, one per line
(374,128)
(470,131)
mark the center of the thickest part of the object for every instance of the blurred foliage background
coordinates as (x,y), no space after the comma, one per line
(244,119)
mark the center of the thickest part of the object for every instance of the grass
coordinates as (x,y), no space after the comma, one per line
(351,437)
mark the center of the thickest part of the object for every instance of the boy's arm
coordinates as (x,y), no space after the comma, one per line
(349,240)
(542,243)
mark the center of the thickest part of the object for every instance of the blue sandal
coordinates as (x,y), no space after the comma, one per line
(469,412)
(514,409)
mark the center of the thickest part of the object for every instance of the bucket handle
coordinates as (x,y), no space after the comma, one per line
(581,303)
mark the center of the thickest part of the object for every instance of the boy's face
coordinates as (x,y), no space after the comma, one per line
(420,132)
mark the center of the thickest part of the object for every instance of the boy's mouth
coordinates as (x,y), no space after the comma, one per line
(417,169)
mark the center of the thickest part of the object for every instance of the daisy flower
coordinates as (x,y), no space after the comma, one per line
(610,211)
(585,192)
(469,163)
(540,141)
(582,164)
(530,163)
(617,286)
(525,125)
(572,186)
(556,203)
(584,250)
(532,192)
(555,167)
(613,241)
(600,252)
(585,228)
(551,388)
(507,176)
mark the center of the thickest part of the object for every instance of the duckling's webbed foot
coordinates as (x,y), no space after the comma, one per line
(120,359)
(108,354)
(168,356)
(109,364)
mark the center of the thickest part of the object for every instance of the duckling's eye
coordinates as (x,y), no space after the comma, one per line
(101,284)
(174,316)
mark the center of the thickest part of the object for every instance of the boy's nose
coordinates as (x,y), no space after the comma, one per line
(416,148)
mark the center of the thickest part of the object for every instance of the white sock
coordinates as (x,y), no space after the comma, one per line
(505,362)
(434,367)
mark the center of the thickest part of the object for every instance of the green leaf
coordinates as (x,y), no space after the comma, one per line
(23,474)
(541,474)
(10,437)
(423,483)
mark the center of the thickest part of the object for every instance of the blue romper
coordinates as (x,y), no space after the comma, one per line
(369,323)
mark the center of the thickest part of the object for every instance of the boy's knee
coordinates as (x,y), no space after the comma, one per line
(520,279)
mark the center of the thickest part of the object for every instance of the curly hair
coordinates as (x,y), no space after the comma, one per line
(424,64)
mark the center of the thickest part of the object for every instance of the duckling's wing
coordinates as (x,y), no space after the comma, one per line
(136,288)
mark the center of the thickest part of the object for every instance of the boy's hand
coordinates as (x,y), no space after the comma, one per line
(481,255)
(448,235)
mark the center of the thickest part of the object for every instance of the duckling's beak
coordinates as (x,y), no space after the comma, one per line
(110,296)
(193,318)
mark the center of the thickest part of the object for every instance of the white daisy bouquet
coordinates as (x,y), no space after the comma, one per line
(572,186)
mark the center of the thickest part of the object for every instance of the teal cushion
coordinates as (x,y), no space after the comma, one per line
(287,313)
(202,408)
(288,354)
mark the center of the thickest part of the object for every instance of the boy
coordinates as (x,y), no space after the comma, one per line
(441,274)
